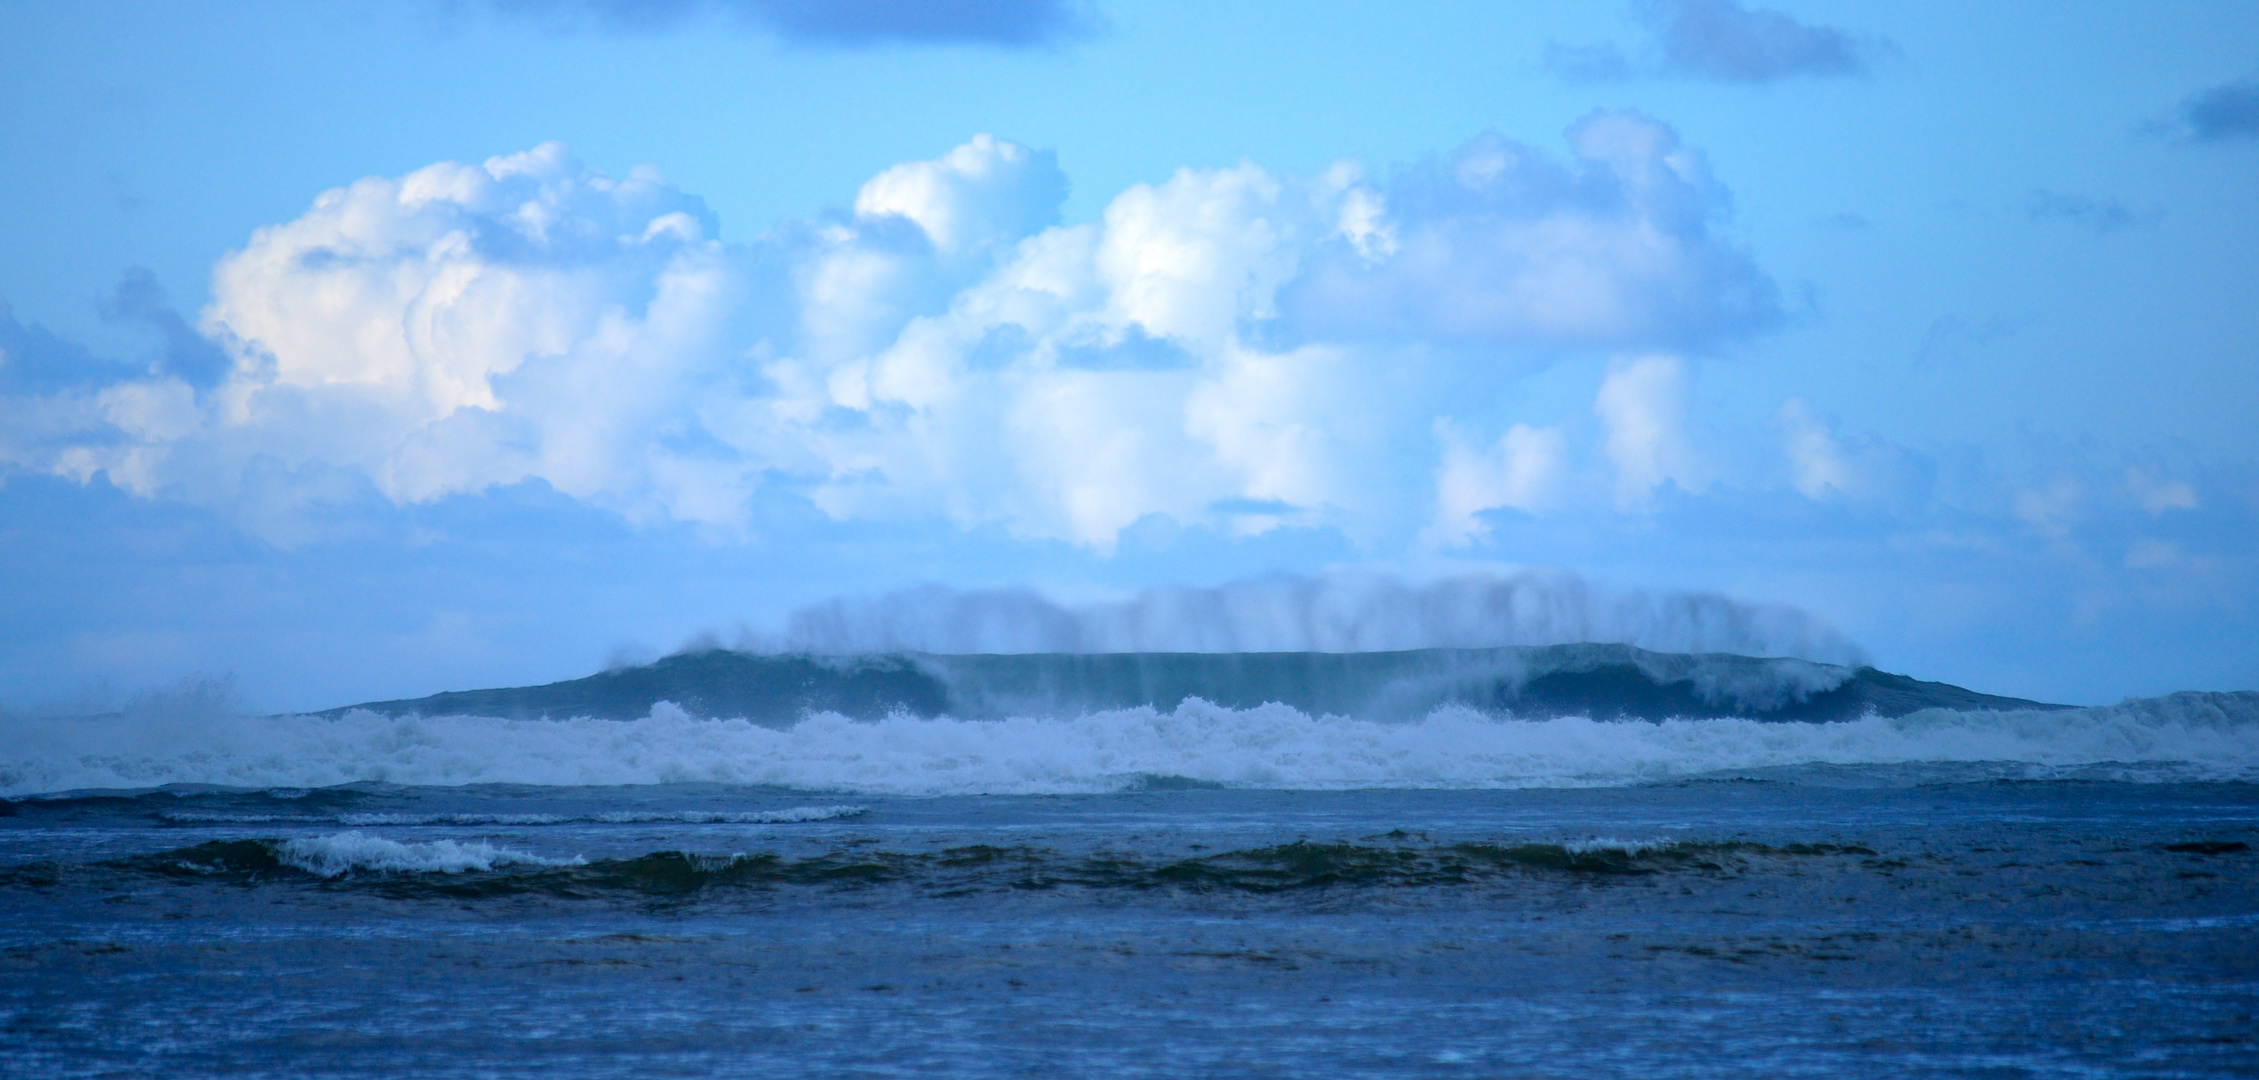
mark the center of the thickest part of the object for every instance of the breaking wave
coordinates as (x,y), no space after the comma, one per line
(348,852)
(2183,737)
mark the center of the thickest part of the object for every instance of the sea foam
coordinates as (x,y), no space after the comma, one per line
(2202,737)
(349,852)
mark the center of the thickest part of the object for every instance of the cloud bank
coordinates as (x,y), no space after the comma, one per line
(1235,348)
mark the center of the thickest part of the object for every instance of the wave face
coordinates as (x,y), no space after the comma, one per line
(2184,737)
(1599,681)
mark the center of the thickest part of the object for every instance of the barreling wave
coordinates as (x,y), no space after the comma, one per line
(2183,737)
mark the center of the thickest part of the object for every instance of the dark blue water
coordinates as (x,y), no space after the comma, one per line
(1837,920)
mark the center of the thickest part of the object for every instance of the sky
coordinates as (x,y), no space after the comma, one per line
(367,349)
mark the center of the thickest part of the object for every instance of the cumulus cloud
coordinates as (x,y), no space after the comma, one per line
(973,199)
(1524,470)
(1499,243)
(1722,41)
(1643,408)
(472,325)
(1234,348)
(1009,23)
(1235,338)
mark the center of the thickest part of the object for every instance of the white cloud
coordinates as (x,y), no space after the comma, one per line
(1500,244)
(979,196)
(1235,348)
(1193,257)
(2158,494)
(1813,453)
(472,325)
(1524,470)
(2053,507)
(1642,407)
(1827,465)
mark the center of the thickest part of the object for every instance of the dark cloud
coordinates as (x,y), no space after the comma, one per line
(1011,23)
(2227,111)
(139,301)
(1719,39)
(1722,41)
(2102,216)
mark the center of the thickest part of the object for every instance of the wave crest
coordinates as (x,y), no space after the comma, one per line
(2184,737)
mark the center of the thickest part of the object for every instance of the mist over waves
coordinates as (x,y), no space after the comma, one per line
(1342,612)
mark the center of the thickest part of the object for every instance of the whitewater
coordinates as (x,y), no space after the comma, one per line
(2184,737)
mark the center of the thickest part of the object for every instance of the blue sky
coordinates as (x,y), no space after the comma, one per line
(369,349)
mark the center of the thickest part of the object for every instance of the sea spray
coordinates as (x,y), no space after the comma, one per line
(1342,612)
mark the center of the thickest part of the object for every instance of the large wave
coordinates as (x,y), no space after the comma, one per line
(2181,737)
(1335,613)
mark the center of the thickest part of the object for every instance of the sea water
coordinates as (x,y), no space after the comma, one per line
(1200,891)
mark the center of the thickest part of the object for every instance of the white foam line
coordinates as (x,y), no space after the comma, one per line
(2184,738)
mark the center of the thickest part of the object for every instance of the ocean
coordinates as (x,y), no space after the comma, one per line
(1186,888)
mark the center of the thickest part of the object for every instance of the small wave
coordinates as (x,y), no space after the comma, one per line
(223,817)
(789,816)
(350,852)
(2182,738)
(786,816)
(445,869)
(1608,844)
